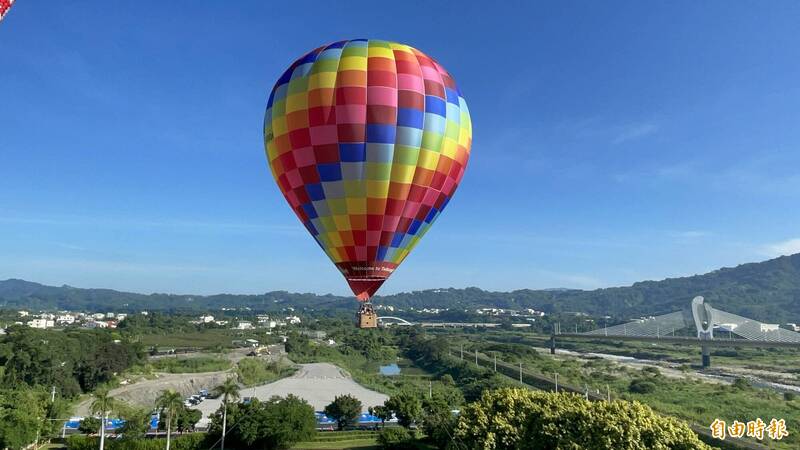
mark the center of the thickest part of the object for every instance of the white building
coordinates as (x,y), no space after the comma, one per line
(767,327)
(244,326)
(23,313)
(65,319)
(294,320)
(206,318)
(41,323)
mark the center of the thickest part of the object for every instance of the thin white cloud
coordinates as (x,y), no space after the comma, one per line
(104,222)
(691,234)
(570,280)
(110,266)
(783,248)
(635,131)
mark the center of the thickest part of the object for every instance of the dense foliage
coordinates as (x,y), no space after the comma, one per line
(190,365)
(763,291)
(273,424)
(344,409)
(525,419)
(74,361)
(433,354)
(395,438)
(23,414)
(185,442)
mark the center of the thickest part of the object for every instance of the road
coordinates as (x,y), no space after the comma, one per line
(317,383)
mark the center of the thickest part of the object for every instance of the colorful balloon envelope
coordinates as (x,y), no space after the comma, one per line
(367,140)
(5,5)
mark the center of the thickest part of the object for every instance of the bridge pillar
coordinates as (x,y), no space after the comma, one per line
(553,344)
(706,354)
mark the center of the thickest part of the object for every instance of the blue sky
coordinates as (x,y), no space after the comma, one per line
(613,142)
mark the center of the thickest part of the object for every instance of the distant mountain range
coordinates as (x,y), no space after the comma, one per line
(767,291)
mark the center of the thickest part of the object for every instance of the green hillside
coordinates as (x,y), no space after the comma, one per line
(767,291)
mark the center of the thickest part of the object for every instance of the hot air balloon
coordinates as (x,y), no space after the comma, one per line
(367,140)
(5,5)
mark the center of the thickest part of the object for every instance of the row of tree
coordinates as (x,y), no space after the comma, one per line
(75,361)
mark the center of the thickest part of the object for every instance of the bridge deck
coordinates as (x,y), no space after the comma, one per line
(682,340)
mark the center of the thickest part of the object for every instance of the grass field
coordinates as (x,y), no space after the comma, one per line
(356,439)
(190,365)
(205,339)
(698,402)
(197,339)
(360,444)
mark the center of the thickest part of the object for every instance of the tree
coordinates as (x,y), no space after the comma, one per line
(89,425)
(137,422)
(102,405)
(439,420)
(229,390)
(297,344)
(532,420)
(344,409)
(169,402)
(407,407)
(187,418)
(381,412)
(21,411)
(275,424)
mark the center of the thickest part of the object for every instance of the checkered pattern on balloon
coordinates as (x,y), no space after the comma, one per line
(367,140)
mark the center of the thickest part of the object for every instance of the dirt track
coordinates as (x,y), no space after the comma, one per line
(317,383)
(143,393)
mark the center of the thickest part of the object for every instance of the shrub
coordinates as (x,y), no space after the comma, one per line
(395,438)
(789,396)
(639,386)
(533,420)
(742,384)
(651,371)
(194,441)
(191,365)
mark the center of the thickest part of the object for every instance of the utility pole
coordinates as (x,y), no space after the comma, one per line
(103,430)
(476,357)
(430,388)
(38,430)
(495,362)
(53,395)
(556,382)
(462,352)
(608,394)
(586,388)
(520,372)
